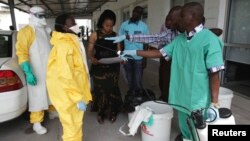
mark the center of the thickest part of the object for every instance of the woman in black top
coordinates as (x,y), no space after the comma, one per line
(106,97)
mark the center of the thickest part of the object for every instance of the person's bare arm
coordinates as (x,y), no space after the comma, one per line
(91,44)
(119,46)
(214,82)
(216,31)
(149,53)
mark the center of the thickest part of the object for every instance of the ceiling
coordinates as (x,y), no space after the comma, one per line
(53,8)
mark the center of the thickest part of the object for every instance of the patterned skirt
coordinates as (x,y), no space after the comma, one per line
(107,96)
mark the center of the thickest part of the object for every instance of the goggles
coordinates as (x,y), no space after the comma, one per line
(39,15)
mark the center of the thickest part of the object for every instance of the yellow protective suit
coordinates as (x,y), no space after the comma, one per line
(67,83)
(32,45)
(25,38)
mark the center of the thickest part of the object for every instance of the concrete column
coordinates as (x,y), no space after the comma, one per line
(12,13)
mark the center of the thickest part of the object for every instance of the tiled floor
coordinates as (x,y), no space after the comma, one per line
(20,129)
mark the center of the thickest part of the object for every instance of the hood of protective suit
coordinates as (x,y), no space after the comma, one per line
(56,36)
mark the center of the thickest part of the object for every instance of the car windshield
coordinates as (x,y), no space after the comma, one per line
(5,46)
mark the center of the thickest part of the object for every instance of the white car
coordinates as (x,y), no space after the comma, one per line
(13,88)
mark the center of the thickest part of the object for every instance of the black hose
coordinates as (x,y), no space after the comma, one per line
(103,47)
(189,119)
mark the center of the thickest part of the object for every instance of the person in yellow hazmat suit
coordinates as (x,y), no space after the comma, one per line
(67,77)
(33,48)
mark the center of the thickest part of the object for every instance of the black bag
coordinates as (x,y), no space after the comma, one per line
(135,98)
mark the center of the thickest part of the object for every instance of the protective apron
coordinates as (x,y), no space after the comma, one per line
(38,53)
(84,58)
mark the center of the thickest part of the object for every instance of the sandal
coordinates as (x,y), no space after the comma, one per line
(113,117)
(100,119)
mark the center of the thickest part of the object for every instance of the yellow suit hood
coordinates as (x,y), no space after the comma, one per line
(66,73)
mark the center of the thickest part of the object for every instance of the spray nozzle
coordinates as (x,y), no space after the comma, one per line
(198,119)
(121,53)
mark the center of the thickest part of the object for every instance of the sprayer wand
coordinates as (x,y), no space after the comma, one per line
(117,52)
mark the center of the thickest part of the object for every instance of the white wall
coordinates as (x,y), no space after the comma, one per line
(223,16)
(157,11)
(51,23)
(216,13)
(5,21)
(21,19)
(117,8)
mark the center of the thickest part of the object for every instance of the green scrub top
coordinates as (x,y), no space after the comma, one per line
(191,62)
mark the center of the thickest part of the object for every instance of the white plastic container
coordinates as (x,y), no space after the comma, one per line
(203,133)
(225,97)
(161,128)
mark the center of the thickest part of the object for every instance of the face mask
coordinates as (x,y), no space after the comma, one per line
(37,21)
(75,29)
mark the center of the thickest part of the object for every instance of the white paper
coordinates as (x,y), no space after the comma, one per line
(110,60)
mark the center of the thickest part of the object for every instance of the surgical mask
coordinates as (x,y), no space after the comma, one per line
(75,29)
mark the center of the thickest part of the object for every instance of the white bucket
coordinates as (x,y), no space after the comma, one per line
(225,97)
(161,128)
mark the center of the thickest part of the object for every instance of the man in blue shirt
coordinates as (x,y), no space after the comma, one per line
(134,67)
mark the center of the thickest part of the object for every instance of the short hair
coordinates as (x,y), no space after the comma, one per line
(175,8)
(60,22)
(196,9)
(137,8)
(106,14)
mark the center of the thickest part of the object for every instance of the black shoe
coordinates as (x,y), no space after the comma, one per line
(160,98)
(112,117)
(100,118)
(179,138)
(93,107)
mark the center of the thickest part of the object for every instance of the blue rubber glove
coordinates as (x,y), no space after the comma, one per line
(30,77)
(127,54)
(81,106)
(213,112)
(116,39)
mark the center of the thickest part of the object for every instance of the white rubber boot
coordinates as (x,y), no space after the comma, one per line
(53,115)
(39,129)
